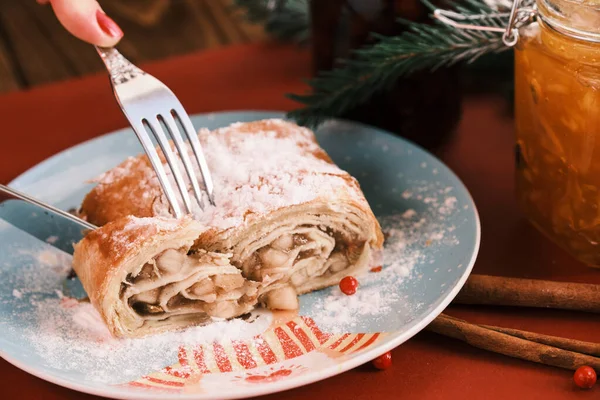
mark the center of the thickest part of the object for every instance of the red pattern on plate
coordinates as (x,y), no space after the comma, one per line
(286,341)
(272,375)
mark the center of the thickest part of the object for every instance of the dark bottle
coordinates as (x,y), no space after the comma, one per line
(424,107)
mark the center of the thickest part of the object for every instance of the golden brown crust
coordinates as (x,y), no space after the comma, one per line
(103,253)
(110,245)
(128,194)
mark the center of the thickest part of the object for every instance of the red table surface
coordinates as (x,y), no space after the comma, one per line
(43,121)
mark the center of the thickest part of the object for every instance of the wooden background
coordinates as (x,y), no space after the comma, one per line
(35,49)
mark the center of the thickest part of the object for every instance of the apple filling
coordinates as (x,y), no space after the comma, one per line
(297,259)
(192,287)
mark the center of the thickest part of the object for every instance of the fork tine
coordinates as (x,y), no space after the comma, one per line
(183,153)
(190,132)
(142,98)
(159,133)
(148,145)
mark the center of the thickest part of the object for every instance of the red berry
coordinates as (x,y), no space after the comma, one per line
(585,377)
(348,285)
(384,361)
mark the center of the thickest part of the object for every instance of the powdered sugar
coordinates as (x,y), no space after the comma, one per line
(165,224)
(116,173)
(344,311)
(74,338)
(256,168)
(412,241)
(285,172)
(409,213)
(58,261)
(52,239)
(448,205)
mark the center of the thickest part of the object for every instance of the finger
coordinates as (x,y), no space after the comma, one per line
(86,20)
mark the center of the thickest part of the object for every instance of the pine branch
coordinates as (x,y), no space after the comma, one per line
(377,68)
(286,20)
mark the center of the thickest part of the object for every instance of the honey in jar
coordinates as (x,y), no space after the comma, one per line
(557,113)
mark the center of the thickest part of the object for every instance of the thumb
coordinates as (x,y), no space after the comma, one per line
(86,20)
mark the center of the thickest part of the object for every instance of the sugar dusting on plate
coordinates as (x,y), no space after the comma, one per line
(412,239)
(70,335)
(74,337)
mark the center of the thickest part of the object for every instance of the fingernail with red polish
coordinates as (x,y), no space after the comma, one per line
(109,26)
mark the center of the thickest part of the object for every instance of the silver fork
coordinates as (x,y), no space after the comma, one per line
(149,105)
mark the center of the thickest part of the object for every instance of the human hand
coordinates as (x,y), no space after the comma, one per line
(86,20)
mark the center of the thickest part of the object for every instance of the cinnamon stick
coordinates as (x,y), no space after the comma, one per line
(512,346)
(578,346)
(495,290)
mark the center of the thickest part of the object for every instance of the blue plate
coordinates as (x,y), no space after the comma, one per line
(433,235)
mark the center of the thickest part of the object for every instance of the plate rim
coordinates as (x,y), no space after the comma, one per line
(366,355)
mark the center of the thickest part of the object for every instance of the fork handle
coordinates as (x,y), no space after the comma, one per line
(121,70)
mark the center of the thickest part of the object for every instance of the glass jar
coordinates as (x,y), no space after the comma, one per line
(557,115)
(424,107)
